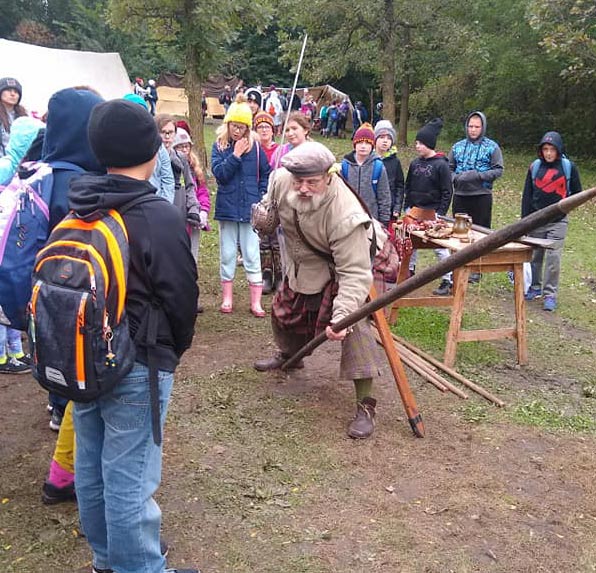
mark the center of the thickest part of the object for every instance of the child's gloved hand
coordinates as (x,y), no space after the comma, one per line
(194,220)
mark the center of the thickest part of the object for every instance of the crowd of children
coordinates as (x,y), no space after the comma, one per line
(107,154)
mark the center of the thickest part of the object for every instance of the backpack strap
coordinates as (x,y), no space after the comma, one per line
(67,166)
(567,171)
(376,174)
(147,334)
(344,169)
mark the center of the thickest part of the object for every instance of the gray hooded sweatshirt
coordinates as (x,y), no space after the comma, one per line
(360,178)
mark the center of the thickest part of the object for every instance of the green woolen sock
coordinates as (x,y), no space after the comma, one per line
(363,388)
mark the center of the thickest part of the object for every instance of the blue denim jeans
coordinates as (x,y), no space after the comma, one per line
(10,341)
(230,235)
(117,471)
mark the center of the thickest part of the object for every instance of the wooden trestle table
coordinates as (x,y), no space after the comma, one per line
(510,257)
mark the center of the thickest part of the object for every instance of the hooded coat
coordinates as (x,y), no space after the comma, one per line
(161,270)
(475,164)
(360,178)
(66,145)
(550,184)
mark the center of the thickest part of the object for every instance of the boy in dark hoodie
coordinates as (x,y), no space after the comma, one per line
(550,178)
(118,463)
(428,185)
(386,150)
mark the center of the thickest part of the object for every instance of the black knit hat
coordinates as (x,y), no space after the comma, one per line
(122,134)
(428,133)
(11,83)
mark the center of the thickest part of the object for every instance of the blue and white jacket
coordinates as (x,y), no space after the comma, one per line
(475,164)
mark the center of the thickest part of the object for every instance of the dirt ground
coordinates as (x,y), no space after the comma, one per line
(259,475)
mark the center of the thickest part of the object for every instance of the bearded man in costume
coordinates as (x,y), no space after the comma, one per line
(328,274)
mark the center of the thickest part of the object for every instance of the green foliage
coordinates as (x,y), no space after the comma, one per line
(255,58)
(536,413)
(569,33)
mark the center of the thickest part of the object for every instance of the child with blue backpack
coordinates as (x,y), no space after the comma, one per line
(550,178)
(363,169)
(12,358)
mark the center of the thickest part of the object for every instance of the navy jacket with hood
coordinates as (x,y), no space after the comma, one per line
(66,142)
(162,268)
(241,181)
(475,163)
(550,184)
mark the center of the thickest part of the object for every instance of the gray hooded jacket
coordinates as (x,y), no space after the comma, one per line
(360,178)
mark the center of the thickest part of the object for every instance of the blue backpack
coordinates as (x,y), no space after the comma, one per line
(24,230)
(565,163)
(376,174)
(333,113)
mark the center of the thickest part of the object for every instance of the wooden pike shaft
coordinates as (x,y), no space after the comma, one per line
(453,373)
(428,370)
(473,251)
(397,368)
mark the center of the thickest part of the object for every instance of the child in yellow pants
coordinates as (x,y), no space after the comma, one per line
(59,486)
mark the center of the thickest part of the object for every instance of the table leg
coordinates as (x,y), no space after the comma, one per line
(404,273)
(521,332)
(460,285)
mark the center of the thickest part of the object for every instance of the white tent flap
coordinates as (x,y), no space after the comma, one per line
(43,71)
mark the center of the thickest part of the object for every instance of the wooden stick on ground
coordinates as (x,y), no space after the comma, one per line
(453,373)
(429,368)
(415,366)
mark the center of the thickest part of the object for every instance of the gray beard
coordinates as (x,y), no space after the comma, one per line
(305,205)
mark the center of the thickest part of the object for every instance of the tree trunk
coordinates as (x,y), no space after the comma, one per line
(193,88)
(195,116)
(402,135)
(388,41)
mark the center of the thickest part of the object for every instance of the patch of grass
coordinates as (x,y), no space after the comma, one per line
(536,413)
(424,327)
(474,412)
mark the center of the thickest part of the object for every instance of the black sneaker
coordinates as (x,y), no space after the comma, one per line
(474,278)
(95,570)
(14,366)
(164,548)
(55,420)
(444,288)
(25,359)
(51,495)
(175,570)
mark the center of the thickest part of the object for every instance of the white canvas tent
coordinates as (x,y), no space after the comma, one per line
(43,71)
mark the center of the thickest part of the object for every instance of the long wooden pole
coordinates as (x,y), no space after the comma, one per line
(460,258)
(397,368)
(453,373)
(428,370)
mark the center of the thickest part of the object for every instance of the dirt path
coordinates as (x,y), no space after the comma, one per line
(259,476)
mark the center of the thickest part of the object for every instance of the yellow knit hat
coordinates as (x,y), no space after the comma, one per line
(239,111)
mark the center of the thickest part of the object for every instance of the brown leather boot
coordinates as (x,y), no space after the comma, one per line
(275,362)
(363,424)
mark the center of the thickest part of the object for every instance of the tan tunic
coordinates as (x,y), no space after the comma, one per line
(339,227)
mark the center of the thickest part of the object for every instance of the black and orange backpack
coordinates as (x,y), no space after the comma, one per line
(78,328)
